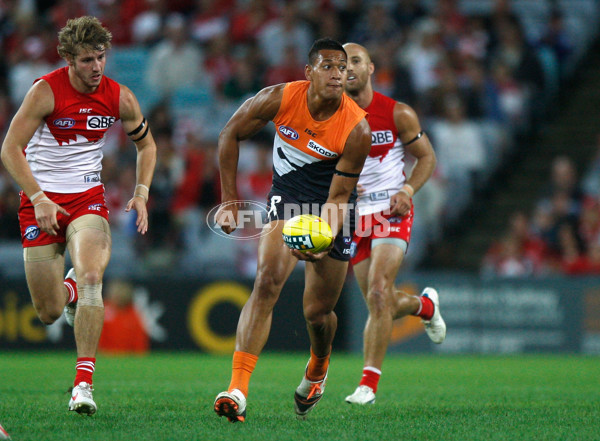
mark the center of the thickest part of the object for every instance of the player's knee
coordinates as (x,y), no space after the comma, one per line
(378,298)
(317,316)
(89,277)
(49,315)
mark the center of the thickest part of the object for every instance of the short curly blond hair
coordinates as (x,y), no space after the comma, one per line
(82,33)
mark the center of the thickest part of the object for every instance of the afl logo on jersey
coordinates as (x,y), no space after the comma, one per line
(99,122)
(32,232)
(288,132)
(64,123)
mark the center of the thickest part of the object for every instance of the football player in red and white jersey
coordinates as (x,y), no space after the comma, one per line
(386,216)
(53,150)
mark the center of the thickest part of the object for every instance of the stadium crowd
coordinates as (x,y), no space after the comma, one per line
(479,74)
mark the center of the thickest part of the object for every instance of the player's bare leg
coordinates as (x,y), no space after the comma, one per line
(275,264)
(44,271)
(89,248)
(324,280)
(376,277)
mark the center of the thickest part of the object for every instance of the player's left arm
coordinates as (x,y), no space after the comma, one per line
(416,143)
(138,130)
(346,175)
(344,181)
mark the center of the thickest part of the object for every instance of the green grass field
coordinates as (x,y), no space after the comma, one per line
(169,397)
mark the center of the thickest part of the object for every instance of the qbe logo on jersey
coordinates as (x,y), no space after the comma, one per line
(382,137)
(95,122)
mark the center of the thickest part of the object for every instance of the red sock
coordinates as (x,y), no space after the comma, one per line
(425,311)
(370,377)
(71,286)
(85,369)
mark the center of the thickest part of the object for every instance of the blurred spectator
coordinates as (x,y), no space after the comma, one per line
(176,61)
(32,66)
(123,331)
(422,54)
(246,79)
(461,153)
(146,27)
(522,60)
(210,19)
(508,260)
(564,180)
(556,38)
(284,31)
(522,244)
(507,98)
(255,184)
(219,61)
(249,18)
(375,27)
(163,237)
(290,69)
(585,264)
(406,12)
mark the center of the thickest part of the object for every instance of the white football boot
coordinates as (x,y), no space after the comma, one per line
(82,400)
(232,405)
(436,327)
(362,395)
(70,308)
(308,394)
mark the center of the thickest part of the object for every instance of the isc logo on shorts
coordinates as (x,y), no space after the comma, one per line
(32,232)
(95,122)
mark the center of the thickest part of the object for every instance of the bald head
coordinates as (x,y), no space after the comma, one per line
(360,68)
(357,50)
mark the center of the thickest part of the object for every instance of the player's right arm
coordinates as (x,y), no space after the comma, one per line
(38,103)
(253,115)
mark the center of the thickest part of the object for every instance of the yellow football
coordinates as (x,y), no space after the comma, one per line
(307,232)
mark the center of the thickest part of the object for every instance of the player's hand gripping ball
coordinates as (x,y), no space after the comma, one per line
(307,232)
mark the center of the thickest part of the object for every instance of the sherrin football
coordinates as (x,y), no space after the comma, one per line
(307,232)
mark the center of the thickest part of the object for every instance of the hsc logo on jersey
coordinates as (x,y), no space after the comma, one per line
(64,123)
(288,132)
(99,122)
(32,232)
(380,137)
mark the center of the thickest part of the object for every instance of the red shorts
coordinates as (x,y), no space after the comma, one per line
(77,204)
(379,226)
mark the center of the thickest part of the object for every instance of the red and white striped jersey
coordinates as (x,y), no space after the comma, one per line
(65,153)
(383,172)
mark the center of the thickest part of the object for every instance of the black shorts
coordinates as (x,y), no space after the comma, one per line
(283,206)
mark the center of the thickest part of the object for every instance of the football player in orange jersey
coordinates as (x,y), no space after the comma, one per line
(321,142)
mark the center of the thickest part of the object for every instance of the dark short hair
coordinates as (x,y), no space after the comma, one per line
(323,44)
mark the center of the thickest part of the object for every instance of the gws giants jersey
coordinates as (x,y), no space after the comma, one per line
(65,153)
(305,151)
(383,172)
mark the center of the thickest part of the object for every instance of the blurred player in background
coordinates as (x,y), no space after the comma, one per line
(386,217)
(319,150)
(53,150)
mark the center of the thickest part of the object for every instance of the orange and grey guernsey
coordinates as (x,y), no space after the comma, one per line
(306,151)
